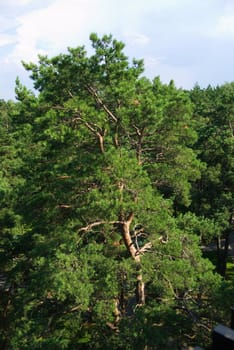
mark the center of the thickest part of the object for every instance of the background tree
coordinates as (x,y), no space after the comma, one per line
(213,195)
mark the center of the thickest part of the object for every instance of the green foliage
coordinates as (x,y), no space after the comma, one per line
(96,194)
(215,146)
(213,193)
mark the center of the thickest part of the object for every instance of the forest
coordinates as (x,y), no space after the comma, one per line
(112,186)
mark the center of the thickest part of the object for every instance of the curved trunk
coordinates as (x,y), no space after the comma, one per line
(140,288)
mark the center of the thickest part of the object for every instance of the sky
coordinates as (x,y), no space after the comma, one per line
(184,40)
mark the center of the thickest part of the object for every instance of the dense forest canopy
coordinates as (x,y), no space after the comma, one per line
(111,184)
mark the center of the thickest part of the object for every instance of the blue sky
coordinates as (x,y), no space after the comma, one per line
(184,40)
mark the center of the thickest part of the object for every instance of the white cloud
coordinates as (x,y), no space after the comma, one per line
(157,6)
(225,26)
(136,39)
(61,24)
(24,2)
(183,75)
(6,39)
(222,25)
(17,2)
(153,62)
(171,35)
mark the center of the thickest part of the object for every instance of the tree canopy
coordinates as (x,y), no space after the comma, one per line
(107,193)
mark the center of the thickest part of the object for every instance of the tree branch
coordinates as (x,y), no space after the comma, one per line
(97,223)
(92,91)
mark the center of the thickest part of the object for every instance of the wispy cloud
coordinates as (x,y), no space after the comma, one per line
(61,24)
(153,62)
(136,39)
(225,26)
(6,39)
(19,2)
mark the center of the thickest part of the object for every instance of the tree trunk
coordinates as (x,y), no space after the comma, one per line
(222,254)
(140,291)
(140,287)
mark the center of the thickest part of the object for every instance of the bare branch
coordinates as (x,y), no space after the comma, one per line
(98,223)
(70,94)
(64,177)
(92,91)
(73,309)
(163,240)
(95,129)
(65,206)
(91,225)
(139,133)
(145,248)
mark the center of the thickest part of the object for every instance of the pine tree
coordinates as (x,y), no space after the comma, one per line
(107,163)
